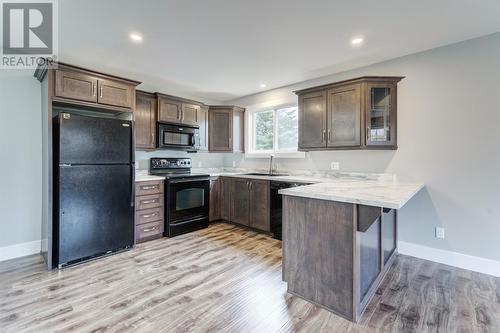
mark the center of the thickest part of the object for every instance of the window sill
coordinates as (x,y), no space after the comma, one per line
(297,154)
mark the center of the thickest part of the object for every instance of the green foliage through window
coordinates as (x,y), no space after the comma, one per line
(275,130)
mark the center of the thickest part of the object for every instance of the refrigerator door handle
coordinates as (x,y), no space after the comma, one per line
(132,187)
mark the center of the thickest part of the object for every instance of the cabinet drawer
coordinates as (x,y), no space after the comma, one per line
(148,201)
(149,187)
(148,215)
(149,230)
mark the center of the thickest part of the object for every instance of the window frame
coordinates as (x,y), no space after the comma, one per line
(250,138)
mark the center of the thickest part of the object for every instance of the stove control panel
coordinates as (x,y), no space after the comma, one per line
(166,163)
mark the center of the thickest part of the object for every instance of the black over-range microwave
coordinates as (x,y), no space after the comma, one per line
(172,136)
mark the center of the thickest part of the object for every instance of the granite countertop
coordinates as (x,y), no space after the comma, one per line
(142,176)
(388,194)
(381,190)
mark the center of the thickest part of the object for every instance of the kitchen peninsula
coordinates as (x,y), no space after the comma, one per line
(340,238)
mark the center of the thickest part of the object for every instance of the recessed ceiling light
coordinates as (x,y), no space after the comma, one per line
(263,85)
(357,41)
(136,37)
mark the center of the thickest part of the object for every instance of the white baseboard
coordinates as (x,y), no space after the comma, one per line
(472,263)
(20,250)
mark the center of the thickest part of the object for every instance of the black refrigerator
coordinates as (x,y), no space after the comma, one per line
(93,187)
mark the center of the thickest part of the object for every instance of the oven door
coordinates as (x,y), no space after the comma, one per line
(187,199)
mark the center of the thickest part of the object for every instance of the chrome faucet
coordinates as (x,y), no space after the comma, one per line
(271,164)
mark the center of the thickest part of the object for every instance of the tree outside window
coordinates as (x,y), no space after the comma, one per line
(275,130)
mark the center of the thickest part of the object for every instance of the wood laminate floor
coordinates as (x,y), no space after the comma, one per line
(228,279)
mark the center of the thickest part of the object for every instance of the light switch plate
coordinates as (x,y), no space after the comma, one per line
(335,166)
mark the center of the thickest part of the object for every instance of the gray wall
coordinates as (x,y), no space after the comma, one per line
(449,120)
(21,153)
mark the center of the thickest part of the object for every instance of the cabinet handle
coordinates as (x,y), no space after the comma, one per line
(149,229)
(100,92)
(93,89)
(151,187)
(329,135)
(145,202)
(368,134)
(149,215)
(323,136)
(251,185)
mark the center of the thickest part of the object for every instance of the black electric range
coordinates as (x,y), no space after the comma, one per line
(186,195)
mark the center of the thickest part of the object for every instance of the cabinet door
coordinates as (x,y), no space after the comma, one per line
(203,132)
(381,114)
(389,233)
(259,205)
(214,212)
(169,110)
(145,121)
(344,116)
(312,120)
(368,243)
(115,93)
(76,86)
(225,198)
(190,114)
(220,129)
(240,201)
(238,132)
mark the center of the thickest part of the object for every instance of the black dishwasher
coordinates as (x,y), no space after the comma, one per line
(277,206)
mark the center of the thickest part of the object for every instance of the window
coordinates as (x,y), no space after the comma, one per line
(273,131)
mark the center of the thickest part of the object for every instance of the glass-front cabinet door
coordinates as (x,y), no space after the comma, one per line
(381,115)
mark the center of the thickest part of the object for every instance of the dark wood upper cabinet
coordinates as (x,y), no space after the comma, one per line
(178,110)
(260,205)
(145,121)
(226,129)
(169,110)
(76,85)
(354,114)
(344,116)
(115,93)
(203,123)
(312,120)
(190,114)
(381,115)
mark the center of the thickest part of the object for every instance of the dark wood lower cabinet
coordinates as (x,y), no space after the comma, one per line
(214,211)
(246,202)
(149,210)
(259,205)
(225,198)
(240,201)
(336,254)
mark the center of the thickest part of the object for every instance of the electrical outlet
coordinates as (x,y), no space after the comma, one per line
(234,164)
(440,232)
(335,166)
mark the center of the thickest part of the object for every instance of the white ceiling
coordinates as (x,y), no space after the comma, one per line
(218,50)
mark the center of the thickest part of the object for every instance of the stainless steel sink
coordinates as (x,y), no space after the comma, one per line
(265,174)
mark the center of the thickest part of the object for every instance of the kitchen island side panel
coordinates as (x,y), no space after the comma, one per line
(318,252)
